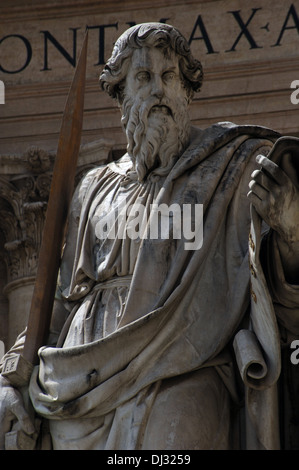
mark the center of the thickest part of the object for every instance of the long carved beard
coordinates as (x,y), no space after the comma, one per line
(156,137)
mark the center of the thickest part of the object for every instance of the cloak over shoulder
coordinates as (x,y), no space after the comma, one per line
(183,306)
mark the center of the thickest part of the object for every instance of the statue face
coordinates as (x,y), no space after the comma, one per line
(154,74)
(154,111)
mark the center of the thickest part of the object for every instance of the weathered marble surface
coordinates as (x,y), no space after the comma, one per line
(145,357)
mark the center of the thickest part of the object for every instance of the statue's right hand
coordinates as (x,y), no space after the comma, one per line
(12,409)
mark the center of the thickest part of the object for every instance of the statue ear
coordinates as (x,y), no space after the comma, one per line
(285,153)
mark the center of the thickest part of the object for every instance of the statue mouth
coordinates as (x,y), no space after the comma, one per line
(161,109)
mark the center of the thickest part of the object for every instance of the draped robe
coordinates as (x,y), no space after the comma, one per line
(146,310)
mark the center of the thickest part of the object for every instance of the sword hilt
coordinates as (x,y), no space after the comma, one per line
(17,370)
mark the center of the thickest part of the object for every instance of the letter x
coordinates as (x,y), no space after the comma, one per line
(244,29)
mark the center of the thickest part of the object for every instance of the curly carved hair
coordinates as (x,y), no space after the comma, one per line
(160,35)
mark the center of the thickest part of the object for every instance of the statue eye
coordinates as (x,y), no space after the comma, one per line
(143,76)
(168,76)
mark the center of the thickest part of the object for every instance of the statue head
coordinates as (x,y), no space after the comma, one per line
(159,35)
(153,76)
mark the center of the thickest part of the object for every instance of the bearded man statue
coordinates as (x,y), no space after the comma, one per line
(156,346)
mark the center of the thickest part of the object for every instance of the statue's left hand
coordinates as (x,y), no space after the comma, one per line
(276,199)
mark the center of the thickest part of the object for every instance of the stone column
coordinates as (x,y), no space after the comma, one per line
(24,191)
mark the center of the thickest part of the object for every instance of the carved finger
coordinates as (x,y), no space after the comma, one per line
(258,190)
(23,417)
(258,203)
(272,169)
(262,179)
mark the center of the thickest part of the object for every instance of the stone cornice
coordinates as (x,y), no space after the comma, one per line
(36,160)
(67,8)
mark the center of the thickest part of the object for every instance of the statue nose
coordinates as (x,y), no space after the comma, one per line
(157,89)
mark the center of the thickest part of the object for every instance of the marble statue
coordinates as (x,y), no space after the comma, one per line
(156,344)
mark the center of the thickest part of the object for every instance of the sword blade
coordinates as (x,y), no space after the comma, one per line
(61,191)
